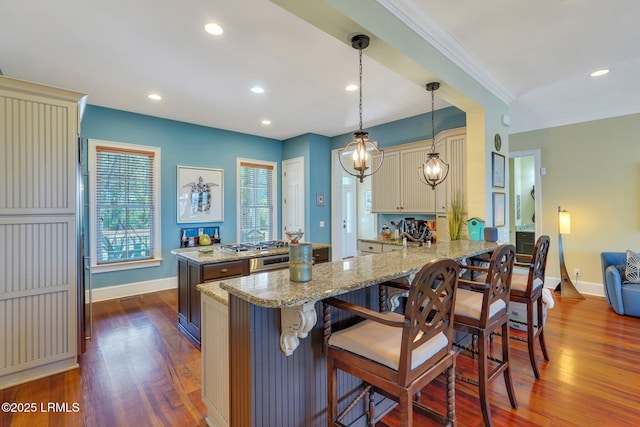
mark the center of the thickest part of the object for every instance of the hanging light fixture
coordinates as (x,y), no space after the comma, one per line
(434,170)
(361,149)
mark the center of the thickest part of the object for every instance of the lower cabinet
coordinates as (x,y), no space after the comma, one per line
(366,247)
(190,275)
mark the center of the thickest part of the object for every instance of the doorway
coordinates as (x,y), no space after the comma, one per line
(525,197)
(343,211)
(293,197)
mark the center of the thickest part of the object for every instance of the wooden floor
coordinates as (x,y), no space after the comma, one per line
(139,371)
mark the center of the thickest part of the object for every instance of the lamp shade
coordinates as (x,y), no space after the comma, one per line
(564,222)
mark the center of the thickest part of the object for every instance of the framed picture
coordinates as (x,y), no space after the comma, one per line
(319,199)
(497,166)
(499,209)
(200,194)
(367,199)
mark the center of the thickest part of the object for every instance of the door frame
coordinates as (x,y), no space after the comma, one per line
(337,250)
(538,186)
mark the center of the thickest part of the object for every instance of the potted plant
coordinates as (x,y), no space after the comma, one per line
(455,216)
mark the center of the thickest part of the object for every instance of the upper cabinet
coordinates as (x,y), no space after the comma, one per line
(396,187)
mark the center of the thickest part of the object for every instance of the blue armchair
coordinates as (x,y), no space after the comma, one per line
(623,298)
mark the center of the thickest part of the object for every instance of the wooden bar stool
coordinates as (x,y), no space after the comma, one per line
(397,355)
(527,289)
(482,308)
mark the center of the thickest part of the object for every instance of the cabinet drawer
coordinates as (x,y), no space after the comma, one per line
(391,248)
(221,270)
(321,255)
(370,247)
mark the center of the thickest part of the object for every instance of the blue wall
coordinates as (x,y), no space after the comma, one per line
(193,145)
(411,129)
(186,145)
(316,150)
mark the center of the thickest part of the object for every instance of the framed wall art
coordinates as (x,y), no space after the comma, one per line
(497,166)
(499,209)
(200,194)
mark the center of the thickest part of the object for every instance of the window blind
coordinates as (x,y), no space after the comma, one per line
(124,204)
(256,202)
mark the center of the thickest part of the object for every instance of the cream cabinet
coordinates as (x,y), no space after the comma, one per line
(369,247)
(39,298)
(396,187)
(385,184)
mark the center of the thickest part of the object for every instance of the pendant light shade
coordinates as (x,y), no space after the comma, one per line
(434,170)
(356,157)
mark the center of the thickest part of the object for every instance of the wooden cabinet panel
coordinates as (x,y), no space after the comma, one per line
(190,275)
(224,269)
(40,291)
(385,184)
(320,255)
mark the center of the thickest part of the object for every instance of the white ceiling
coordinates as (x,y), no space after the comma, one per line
(540,53)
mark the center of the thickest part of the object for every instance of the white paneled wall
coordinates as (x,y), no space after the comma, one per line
(38,234)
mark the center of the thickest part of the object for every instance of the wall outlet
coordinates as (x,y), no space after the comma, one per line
(576,272)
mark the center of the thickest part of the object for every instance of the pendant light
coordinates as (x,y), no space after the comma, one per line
(360,149)
(434,170)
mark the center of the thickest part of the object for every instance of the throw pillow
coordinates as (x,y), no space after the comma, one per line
(632,271)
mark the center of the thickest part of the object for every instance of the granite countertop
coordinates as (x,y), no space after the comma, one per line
(273,289)
(217,255)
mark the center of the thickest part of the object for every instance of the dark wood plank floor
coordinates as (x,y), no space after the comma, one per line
(139,371)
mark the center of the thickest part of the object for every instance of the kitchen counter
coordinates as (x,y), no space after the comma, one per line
(217,255)
(273,289)
(241,345)
(196,267)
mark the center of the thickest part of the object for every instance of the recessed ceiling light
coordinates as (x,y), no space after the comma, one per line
(257,89)
(155,97)
(266,122)
(213,29)
(351,88)
(599,73)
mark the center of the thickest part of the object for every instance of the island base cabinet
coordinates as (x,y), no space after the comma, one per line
(272,389)
(190,275)
(215,361)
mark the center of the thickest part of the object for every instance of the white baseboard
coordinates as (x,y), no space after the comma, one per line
(130,289)
(587,288)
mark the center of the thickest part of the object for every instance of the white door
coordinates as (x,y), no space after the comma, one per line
(343,212)
(293,201)
(349,232)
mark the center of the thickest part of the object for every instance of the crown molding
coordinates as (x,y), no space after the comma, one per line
(423,25)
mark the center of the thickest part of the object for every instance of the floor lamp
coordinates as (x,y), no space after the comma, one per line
(567,289)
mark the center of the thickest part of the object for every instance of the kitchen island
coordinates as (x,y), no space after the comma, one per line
(275,362)
(209,263)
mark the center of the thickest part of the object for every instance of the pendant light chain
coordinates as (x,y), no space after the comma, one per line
(360,50)
(433,126)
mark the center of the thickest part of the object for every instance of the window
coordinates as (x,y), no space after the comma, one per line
(124,204)
(257,184)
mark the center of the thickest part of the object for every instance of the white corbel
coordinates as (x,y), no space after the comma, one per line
(296,322)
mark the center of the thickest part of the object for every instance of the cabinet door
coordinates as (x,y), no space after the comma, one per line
(183,288)
(385,184)
(456,148)
(416,196)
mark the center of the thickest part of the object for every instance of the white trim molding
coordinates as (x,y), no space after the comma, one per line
(131,289)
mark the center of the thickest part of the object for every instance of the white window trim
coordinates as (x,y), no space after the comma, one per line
(274,190)
(157,249)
